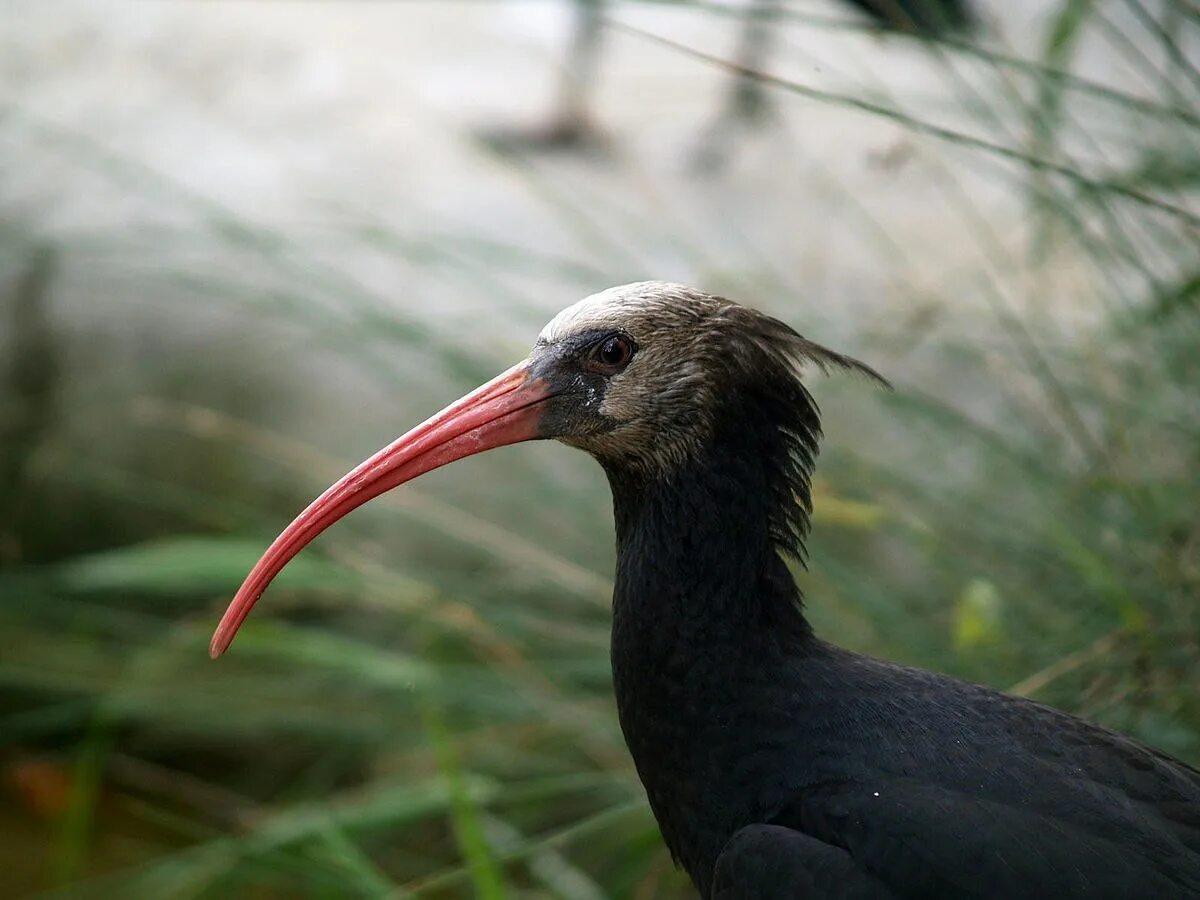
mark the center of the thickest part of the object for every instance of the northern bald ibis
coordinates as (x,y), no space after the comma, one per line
(778,765)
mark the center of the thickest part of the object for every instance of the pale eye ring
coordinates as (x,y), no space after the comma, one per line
(612,354)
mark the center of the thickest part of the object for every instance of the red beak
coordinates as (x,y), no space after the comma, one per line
(506,410)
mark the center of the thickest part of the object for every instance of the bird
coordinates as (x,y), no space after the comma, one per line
(777,764)
(570,125)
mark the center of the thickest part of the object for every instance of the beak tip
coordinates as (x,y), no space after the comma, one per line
(503,411)
(217,646)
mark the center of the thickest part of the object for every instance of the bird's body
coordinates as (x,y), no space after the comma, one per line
(776,764)
(736,714)
(927,786)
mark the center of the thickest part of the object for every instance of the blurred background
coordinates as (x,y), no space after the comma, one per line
(244,244)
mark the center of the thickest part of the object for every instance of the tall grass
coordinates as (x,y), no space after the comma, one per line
(421,706)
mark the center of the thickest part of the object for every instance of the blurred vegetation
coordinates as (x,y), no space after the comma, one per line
(421,707)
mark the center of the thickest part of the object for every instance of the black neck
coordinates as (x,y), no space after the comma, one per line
(705,610)
(696,549)
(703,544)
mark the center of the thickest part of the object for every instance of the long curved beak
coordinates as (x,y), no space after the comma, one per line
(506,410)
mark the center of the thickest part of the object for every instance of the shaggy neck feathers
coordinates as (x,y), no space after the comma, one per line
(705,541)
(705,608)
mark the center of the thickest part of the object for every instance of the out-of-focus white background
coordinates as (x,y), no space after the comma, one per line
(243,244)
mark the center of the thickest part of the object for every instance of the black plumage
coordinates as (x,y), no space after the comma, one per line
(778,765)
(767,752)
(736,716)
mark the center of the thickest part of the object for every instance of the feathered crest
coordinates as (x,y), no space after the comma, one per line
(774,337)
(771,356)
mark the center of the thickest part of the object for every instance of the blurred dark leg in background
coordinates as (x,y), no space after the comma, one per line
(572,123)
(746,103)
(570,126)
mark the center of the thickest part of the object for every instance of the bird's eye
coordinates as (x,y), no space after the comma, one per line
(611,355)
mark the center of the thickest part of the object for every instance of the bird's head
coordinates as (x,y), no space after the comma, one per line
(640,376)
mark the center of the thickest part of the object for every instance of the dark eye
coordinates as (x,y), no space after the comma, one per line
(612,354)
